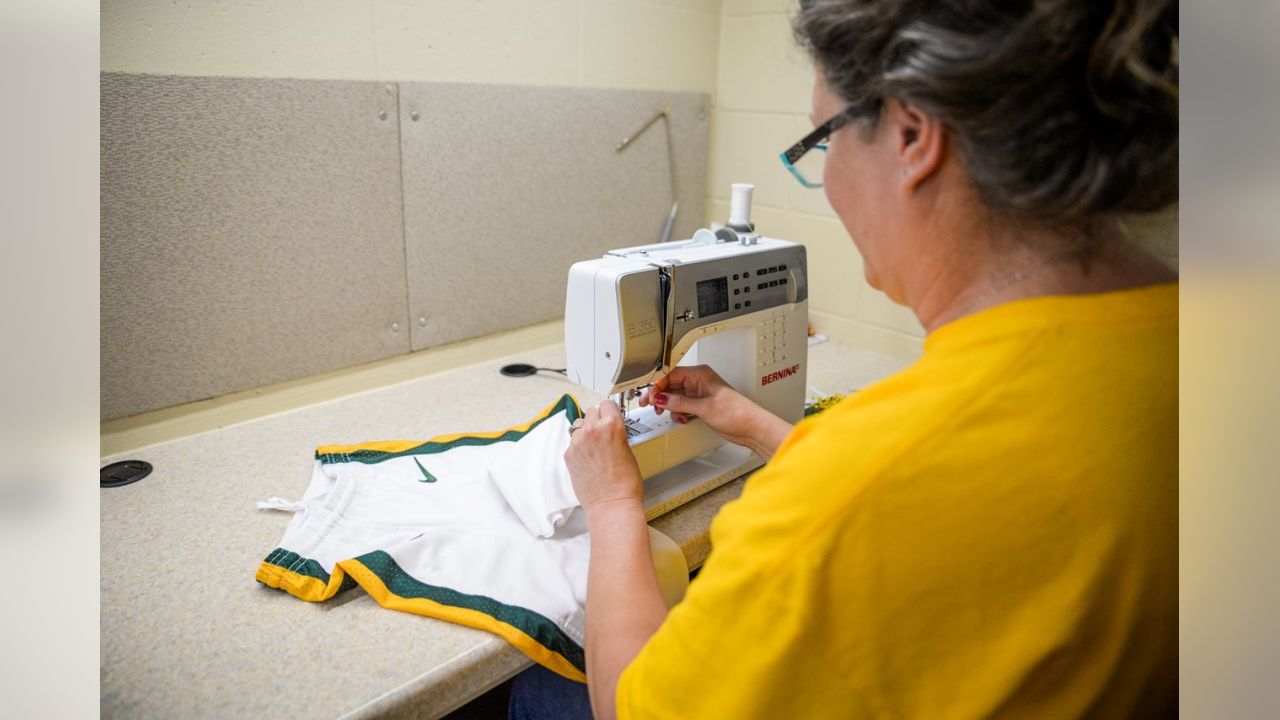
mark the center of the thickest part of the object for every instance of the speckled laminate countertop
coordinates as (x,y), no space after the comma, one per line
(186,631)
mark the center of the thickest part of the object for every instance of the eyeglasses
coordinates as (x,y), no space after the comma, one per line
(816,140)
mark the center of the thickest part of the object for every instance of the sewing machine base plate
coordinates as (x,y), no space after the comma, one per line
(674,487)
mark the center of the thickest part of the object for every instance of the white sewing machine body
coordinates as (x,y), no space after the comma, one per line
(731,300)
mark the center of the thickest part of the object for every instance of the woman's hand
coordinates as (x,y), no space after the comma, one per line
(699,391)
(601,464)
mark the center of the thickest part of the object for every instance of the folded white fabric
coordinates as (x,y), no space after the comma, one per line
(477,529)
(533,478)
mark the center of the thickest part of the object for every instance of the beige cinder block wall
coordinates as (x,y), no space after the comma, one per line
(762,107)
(636,44)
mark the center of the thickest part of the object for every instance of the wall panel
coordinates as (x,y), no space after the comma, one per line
(251,233)
(506,186)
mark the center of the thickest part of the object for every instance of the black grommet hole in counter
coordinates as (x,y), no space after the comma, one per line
(125,472)
(525,370)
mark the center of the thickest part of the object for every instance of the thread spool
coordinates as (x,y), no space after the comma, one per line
(740,206)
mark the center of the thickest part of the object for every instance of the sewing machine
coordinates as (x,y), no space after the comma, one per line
(731,299)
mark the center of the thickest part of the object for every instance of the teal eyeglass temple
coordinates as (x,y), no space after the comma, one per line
(813,141)
(795,172)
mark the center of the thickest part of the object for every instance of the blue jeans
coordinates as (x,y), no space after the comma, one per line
(539,694)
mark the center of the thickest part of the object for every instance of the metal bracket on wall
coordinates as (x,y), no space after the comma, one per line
(666,124)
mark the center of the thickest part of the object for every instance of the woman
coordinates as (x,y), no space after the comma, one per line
(992,531)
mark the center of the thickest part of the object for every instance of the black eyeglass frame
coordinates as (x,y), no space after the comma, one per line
(792,155)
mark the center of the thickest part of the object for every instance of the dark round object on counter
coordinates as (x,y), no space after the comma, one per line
(122,473)
(518,370)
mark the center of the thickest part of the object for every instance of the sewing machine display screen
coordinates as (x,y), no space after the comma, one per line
(713,296)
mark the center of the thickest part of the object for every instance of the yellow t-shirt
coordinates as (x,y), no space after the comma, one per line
(991,532)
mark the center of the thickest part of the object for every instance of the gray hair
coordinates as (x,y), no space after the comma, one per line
(1064,112)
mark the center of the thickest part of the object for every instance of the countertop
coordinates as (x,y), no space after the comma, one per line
(186,631)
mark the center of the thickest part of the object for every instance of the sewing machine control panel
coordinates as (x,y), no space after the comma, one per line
(771,344)
(713,290)
(757,281)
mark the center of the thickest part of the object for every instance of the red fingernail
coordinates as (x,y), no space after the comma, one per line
(681,420)
(660,399)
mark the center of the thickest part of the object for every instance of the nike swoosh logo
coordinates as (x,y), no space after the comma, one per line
(426,476)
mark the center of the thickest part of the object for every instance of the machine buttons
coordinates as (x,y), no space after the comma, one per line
(735,276)
(736,290)
(737,306)
(773,283)
(748,303)
(782,267)
(771,340)
(783,281)
(762,286)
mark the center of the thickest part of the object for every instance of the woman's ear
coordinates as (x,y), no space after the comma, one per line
(920,143)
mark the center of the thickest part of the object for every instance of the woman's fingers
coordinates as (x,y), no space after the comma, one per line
(659,385)
(602,418)
(609,409)
(648,399)
(683,388)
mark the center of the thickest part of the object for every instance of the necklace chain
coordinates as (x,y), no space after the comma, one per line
(1014,279)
